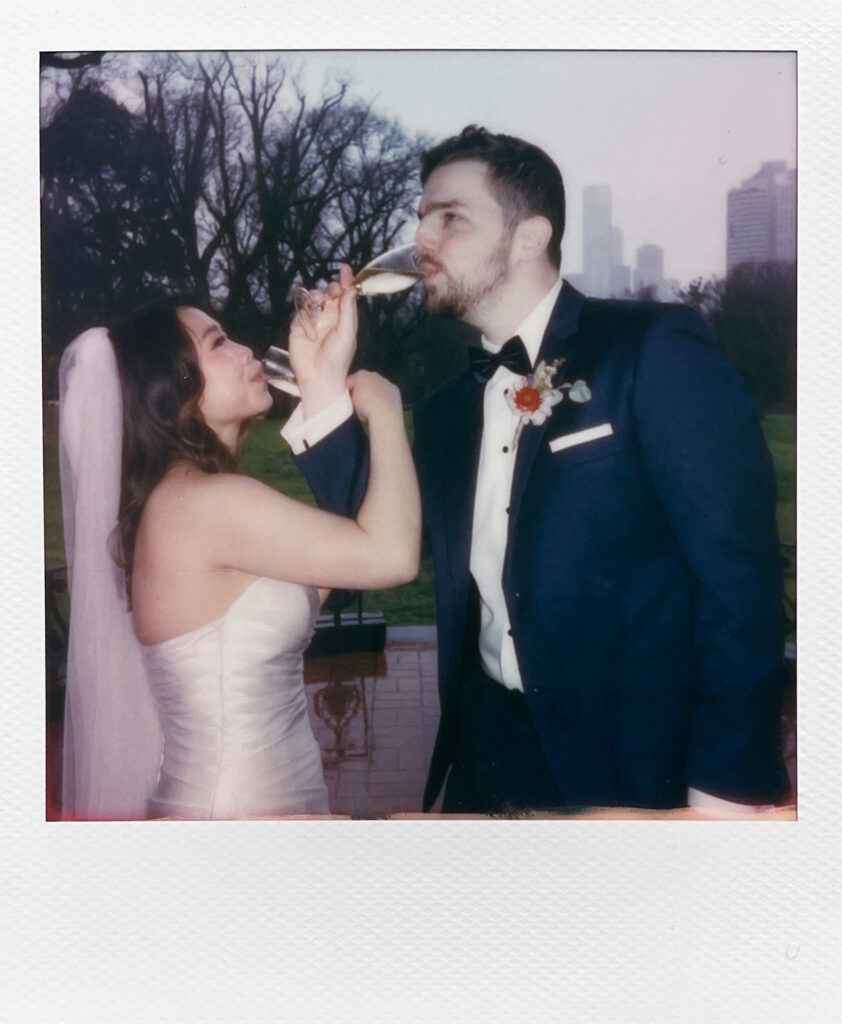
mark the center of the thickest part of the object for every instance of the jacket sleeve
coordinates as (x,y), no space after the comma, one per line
(418,417)
(336,468)
(708,461)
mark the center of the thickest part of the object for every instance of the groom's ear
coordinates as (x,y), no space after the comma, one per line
(532,236)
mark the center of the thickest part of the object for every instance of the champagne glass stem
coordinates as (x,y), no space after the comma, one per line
(393,271)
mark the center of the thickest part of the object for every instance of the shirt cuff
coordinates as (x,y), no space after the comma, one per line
(301,434)
(716,807)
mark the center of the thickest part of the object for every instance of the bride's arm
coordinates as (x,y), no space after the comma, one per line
(240,523)
(329,445)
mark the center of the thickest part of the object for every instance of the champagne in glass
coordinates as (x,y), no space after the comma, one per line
(393,271)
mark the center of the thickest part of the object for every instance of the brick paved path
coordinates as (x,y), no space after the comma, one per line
(375,716)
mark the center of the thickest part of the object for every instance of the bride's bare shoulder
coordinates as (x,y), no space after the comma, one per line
(180,486)
(186,494)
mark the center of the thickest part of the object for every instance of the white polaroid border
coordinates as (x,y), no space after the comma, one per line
(422,921)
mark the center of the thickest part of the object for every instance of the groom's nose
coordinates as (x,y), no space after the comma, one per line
(424,239)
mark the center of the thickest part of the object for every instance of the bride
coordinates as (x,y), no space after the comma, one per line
(223,576)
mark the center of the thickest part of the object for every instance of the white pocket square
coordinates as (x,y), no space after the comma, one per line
(581,437)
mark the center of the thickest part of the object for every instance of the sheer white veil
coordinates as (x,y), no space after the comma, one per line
(112,741)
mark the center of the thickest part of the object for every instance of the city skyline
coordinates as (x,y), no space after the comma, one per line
(671,131)
(763,204)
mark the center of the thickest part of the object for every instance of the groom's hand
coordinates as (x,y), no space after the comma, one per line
(321,350)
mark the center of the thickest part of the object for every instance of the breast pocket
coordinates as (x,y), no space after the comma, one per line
(585,445)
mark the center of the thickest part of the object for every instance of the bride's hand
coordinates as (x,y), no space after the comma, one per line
(321,349)
(373,395)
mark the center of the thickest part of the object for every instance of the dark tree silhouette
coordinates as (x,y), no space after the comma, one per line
(222,177)
(109,236)
(183,117)
(67,63)
(753,314)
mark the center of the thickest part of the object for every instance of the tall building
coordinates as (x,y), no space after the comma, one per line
(761,217)
(616,246)
(604,273)
(620,280)
(597,240)
(649,269)
(620,274)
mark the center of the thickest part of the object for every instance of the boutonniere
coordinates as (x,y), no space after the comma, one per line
(531,398)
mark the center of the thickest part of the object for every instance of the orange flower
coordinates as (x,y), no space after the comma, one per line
(532,400)
(527,399)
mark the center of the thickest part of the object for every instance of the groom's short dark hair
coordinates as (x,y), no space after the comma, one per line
(524,180)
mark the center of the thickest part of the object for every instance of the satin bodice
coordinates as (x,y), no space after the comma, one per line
(233,711)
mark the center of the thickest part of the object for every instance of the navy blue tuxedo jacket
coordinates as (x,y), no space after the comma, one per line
(642,575)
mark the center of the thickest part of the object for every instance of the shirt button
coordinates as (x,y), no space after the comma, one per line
(510,632)
(508,509)
(505,447)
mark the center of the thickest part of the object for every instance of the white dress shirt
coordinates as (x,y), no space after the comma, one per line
(489,534)
(301,434)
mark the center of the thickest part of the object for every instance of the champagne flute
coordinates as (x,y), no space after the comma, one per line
(393,271)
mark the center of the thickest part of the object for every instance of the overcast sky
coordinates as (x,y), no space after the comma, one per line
(670,132)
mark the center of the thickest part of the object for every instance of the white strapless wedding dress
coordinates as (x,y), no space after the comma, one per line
(233,712)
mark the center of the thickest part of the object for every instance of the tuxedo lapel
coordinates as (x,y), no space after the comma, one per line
(459,430)
(559,343)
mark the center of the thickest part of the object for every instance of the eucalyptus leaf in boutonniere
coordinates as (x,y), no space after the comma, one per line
(531,398)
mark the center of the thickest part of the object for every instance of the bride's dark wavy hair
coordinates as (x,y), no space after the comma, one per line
(161,385)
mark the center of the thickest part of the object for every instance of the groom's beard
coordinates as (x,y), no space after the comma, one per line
(456,297)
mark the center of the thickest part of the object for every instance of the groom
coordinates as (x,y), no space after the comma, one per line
(606,559)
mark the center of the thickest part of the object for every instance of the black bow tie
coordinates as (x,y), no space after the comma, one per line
(512,355)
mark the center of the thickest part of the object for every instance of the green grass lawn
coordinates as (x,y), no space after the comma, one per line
(780,436)
(267,457)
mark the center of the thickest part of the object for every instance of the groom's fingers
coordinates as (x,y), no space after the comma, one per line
(346,279)
(348,309)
